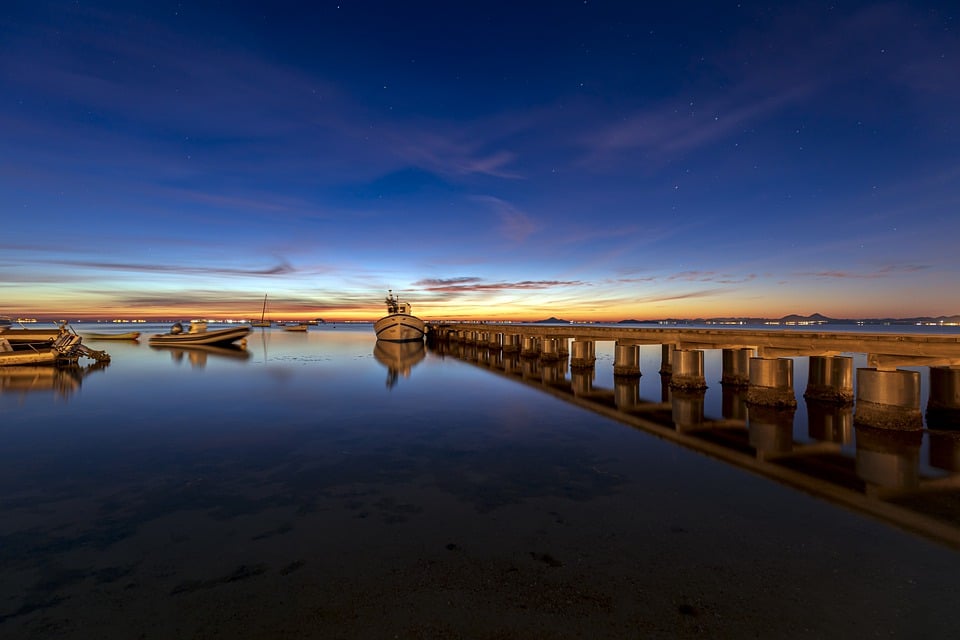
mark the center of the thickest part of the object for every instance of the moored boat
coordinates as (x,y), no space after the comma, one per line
(300,326)
(198,334)
(129,335)
(263,322)
(66,348)
(399,325)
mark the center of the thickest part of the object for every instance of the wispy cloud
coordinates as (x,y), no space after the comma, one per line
(882,272)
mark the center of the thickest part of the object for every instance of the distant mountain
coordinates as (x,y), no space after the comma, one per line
(550,320)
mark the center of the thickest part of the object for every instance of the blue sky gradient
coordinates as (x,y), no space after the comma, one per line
(494,160)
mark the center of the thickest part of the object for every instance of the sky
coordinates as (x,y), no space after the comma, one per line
(588,160)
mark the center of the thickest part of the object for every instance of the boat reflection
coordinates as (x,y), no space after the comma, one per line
(399,358)
(875,471)
(61,381)
(197,354)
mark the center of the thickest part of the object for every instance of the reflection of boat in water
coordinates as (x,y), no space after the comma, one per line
(198,335)
(398,357)
(37,379)
(399,325)
(129,335)
(197,353)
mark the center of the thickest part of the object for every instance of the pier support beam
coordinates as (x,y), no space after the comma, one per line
(688,370)
(626,360)
(583,353)
(666,359)
(495,340)
(771,382)
(736,367)
(830,379)
(530,347)
(511,343)
(888,399)
(550,349)
(943,405)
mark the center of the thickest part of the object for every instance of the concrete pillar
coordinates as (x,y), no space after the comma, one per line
(626,360)
(687,408)
(829,421)
(496,340)
(771,382)
(511,343)
(583,353)
(666,359)
(943,405)
(830,379)
(581,379)
(688,370)
(736,367)
(563,346)
(626,392)
(888,458)
(550,349)
(771,429)
(888,399)
(530,347)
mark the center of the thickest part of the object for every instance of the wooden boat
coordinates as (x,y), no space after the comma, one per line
(198,334)
(399,325)
(263,321)
(31,336)
(129,335)
(300,326)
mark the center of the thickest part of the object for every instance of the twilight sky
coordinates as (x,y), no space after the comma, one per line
(485,159)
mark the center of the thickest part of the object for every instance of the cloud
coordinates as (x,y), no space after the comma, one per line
(515,225)
(472,284)
(278,269)
(882,272)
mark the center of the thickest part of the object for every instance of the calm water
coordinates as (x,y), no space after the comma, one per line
(314,485)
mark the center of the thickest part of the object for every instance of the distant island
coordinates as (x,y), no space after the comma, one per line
(789,320)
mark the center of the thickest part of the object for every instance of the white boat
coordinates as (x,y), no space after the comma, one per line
(300,326)
(399,325)
(198,334)
(5,322)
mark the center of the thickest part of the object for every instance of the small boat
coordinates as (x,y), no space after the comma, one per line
(263,321)
(399,325)
(198,334)
(129,335)
(65,349)
(300,326)
(5,322)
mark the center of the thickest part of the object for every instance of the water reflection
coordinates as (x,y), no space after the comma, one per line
(61,381)
(874,470)
(399,358)
(197,355)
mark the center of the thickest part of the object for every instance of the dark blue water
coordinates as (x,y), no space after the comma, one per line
(313,486)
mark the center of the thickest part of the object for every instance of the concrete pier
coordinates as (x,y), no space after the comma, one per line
(495,340)
(943,405)
(736,367)
(530,347)
(688,370)
(888,399)
(550,349)
(771,382)
(626,360)
(583,353)
(666,359)
(511,343)
(830,379)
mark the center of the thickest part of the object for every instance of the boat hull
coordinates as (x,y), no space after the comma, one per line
(218,336)
(130,335)
(399,327)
